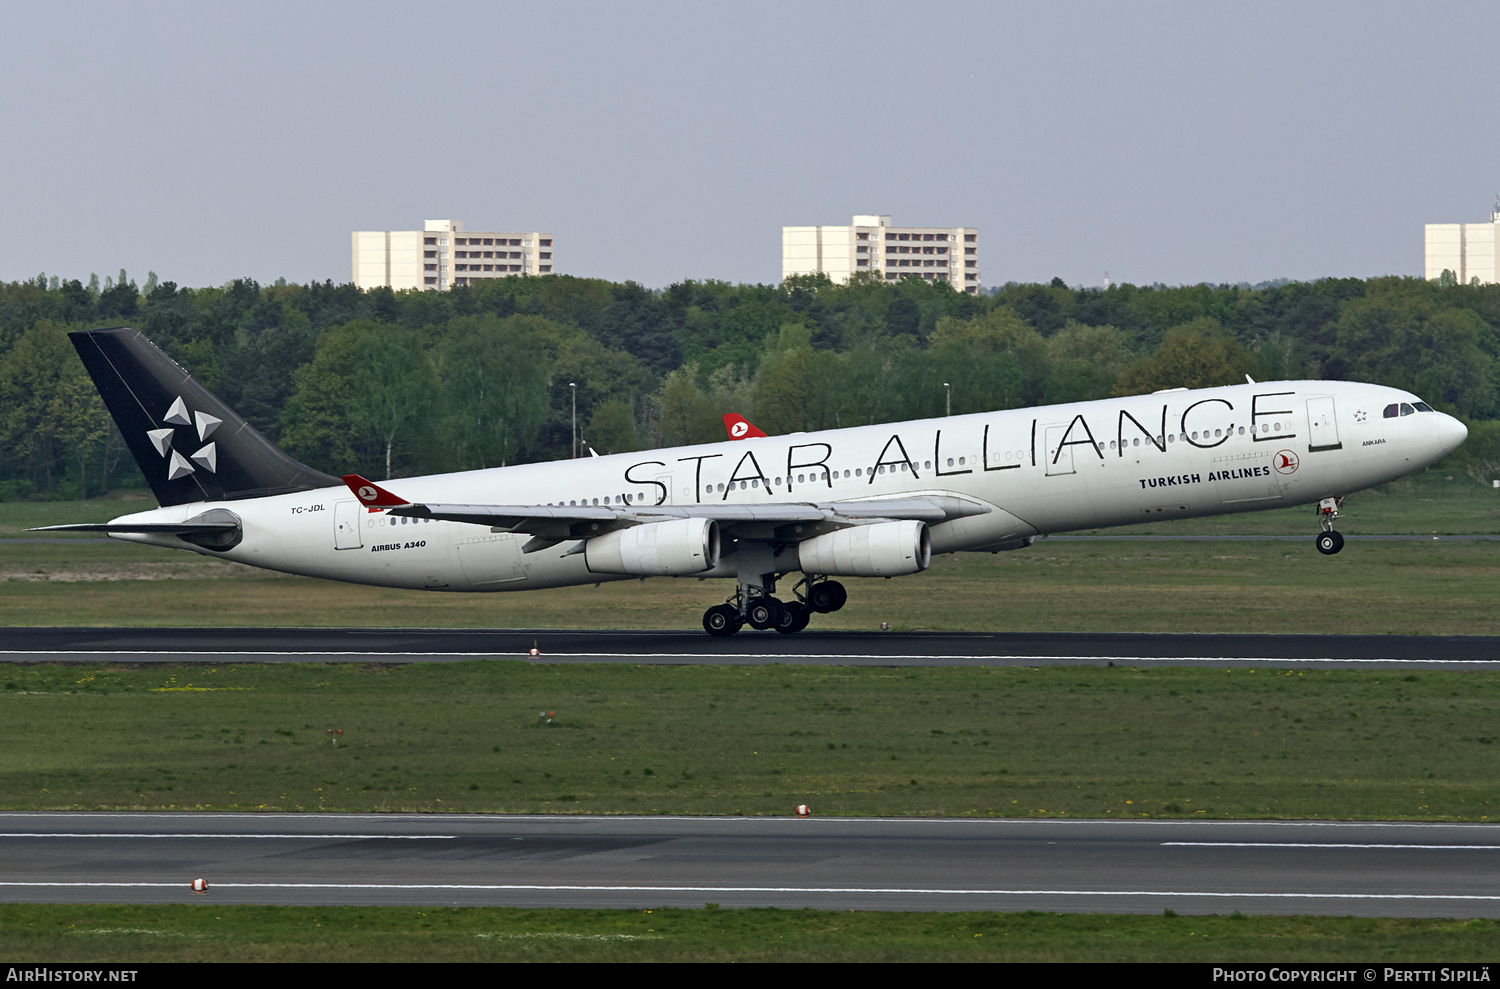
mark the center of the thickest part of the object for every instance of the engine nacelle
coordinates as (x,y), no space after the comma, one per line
(677,548)
(885,549)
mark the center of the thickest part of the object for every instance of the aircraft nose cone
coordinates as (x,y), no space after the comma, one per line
(1451,434)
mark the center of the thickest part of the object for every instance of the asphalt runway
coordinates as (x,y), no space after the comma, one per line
(811,647)
(1194,867)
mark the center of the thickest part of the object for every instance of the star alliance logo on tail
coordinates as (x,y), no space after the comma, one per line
(206,456)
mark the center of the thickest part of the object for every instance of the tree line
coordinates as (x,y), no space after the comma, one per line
(395,383)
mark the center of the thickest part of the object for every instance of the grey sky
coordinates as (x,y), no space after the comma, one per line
(660,141)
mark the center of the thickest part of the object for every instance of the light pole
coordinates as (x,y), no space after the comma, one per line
(950,398)
(574,386)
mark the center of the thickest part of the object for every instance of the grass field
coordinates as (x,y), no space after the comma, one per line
(202,932)
(1399,588)
(636,739)
(1009,742)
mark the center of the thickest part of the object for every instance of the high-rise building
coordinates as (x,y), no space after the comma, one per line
(1469,250)
(443,255)
(871,244)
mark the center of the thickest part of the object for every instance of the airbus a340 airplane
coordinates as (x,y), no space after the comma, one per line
(869,501)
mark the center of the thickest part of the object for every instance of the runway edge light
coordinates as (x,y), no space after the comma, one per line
(804,811)
(199,886)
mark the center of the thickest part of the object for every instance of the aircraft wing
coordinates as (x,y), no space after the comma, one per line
(554,523)
(583,521)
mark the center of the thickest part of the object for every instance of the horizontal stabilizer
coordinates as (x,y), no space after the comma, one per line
(216,529)
(157,528)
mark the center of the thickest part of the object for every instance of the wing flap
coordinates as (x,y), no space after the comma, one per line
(563,522)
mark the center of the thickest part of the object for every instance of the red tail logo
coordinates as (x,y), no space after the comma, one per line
(739,428)
(373,494)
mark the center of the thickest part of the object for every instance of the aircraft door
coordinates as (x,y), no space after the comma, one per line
(1322,425)
(346,519)
(664,492)
(1059,458)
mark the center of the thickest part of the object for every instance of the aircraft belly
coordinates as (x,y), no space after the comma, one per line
(996,526)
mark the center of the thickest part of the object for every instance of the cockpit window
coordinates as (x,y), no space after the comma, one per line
(1423,407)
(1391,411)
(1407,410)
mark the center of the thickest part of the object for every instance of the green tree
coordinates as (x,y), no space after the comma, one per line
(684,415)
(611,428)
(47,402)
(395,385)
(496,381)
(1199,354)
(320,424)
(1400,335)
(1084,362)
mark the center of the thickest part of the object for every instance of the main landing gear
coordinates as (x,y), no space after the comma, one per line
(756,607)
(1330,541)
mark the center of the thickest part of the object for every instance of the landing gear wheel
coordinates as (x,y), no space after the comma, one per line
(1330,542)
(764,612)
(827,596)
(722,619)
(794,619)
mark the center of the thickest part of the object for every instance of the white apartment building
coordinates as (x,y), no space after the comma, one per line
(1469,250)
(443,255)
(871,244)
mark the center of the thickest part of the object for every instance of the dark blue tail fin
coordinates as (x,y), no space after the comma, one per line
(191,446)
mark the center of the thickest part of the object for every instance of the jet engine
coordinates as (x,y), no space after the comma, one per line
(678,548)
(884,549)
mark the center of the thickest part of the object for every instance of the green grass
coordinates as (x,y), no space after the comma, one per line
(1009,742)
(1429,503)
(1443,588)
(203,932)
(1402,588)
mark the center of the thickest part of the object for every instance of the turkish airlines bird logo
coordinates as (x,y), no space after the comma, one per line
(739,428)
(367,493)
(1285,461)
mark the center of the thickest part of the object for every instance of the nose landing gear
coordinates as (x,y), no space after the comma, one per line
(1329,541)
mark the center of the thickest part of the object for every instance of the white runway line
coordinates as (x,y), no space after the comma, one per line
(722,658)
(875,891)
(1319,844)
(235,836)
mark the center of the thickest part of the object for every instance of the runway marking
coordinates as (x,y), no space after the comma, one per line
(64,834)
(1318,844)
(581,819)
(727,658)
(767,889)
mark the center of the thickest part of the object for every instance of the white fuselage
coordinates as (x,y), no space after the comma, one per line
(1175,454)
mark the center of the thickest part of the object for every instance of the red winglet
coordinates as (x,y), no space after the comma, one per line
(739,428)
(373,494)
